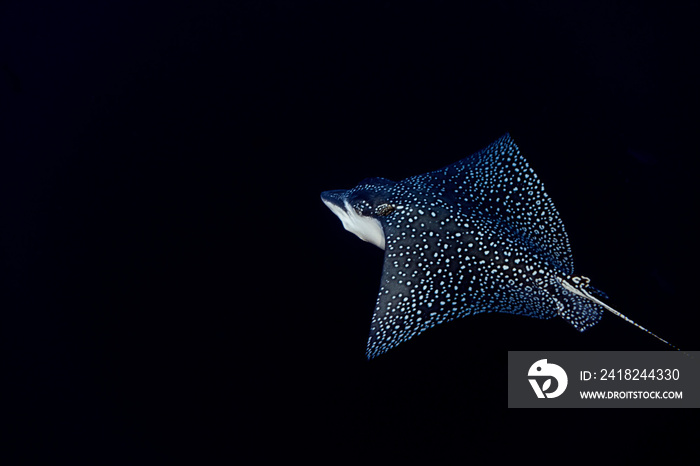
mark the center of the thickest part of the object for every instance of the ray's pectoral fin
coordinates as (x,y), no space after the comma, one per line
(419,287)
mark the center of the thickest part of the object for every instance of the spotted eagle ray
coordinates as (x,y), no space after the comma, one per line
(480,235)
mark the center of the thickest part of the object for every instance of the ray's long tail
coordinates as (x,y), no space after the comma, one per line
(581,291)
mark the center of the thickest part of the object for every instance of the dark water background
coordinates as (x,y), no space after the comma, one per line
(173,288)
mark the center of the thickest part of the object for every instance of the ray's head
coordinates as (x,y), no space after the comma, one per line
(361,208)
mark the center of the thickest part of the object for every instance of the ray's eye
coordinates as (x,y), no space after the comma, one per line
(384,209)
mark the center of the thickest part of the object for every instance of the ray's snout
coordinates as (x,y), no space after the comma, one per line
(335,197)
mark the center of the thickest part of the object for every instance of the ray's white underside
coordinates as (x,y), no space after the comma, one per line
(366,228)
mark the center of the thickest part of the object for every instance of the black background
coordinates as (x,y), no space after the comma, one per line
(174,288)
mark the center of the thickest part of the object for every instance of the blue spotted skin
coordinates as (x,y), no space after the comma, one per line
(480,235)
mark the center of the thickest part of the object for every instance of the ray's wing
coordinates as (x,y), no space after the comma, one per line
(497,181)
(417,282)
